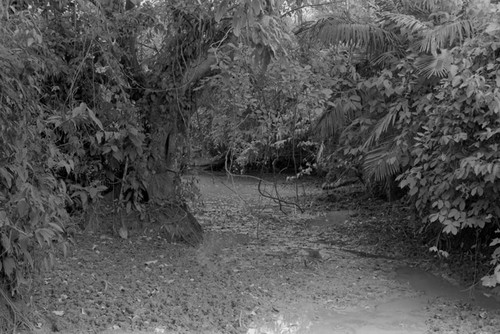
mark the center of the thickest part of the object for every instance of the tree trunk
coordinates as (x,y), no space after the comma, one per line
(167,113)
(162,160)
(164,182)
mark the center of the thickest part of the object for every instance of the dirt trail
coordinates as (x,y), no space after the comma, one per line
(356,294)
(258,271)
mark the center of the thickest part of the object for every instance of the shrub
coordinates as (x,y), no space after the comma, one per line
(454,179)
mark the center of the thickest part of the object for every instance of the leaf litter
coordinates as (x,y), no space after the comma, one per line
(258,270)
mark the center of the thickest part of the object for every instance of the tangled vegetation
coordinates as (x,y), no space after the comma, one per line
(401,94)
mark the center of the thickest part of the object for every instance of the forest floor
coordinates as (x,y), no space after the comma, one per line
(347,264)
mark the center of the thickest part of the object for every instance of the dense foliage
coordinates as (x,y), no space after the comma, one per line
(97,97)
(94,95)
(454,175)
(401,94)
(263,119)
(32,199)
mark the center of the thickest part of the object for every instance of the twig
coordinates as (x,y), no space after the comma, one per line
(279,200)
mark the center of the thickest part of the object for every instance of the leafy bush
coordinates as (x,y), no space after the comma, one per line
(454,177)
(60,156)
(441,134)
(32,200)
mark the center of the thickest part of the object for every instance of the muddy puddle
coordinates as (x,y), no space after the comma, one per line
(406,315)
(397,317)
(433,287)
(402,316)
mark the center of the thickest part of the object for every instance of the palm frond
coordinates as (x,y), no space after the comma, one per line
(338,115)
(446,35)
(381,127)
(331,31)
(383,162)
(330,122)
(435,65)
(386,58)
(430,6)
(406,22)
(443,6)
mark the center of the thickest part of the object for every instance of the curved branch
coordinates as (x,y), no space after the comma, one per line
(277,199)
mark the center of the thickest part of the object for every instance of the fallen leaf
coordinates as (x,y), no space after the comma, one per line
(62,297)
(58,313)
(123,232)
